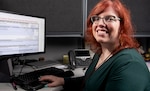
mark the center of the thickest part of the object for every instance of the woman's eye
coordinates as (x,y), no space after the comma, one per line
(110,18)
(96,18)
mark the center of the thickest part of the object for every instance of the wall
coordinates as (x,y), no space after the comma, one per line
(144,42)
(63,17)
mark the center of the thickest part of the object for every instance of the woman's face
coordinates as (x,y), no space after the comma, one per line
(106,27)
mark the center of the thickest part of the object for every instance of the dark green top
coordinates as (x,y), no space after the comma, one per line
(124,71)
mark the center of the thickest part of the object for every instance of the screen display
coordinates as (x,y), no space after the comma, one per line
(21,34)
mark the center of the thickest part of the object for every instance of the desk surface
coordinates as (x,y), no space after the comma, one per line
(77,72)
(8,86)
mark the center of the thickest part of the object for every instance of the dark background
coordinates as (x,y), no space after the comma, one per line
(140,13)
(63,17)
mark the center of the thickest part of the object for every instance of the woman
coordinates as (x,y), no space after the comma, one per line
(117,65)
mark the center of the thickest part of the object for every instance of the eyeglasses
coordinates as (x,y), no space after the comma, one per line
(106,19)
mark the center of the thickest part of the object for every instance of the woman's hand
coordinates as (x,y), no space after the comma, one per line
(54,80)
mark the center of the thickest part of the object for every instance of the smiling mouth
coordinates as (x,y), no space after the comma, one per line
(106,31)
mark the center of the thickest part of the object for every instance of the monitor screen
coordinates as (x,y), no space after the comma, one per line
(21,34)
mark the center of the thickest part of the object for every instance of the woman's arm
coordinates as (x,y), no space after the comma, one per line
(73,84)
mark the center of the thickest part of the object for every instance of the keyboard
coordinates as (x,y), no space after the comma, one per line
(29,81)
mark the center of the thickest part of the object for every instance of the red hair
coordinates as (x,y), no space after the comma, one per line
(127,30)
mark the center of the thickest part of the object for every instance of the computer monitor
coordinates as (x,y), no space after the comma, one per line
(21,34)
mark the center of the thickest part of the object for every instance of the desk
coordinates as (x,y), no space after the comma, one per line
(8,86)
(77,72)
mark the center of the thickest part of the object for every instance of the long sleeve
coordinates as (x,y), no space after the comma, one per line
(73,84)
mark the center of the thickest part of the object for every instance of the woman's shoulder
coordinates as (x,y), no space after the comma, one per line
(128,55)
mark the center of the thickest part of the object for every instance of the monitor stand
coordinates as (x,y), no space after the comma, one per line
(5,70)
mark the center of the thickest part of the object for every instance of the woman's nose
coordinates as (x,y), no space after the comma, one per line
(101,23)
